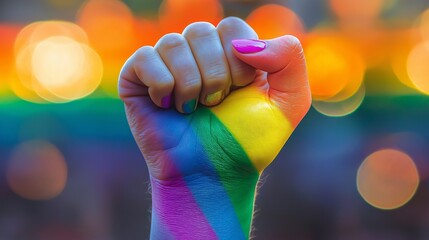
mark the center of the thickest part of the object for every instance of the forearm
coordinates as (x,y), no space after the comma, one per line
(203,207)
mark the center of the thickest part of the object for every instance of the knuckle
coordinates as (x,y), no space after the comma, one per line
(192,82)
(231,23)
(164,86)
(171,40)
(215,76)
(191,87)
(144,53)
(198,29)
(168,79)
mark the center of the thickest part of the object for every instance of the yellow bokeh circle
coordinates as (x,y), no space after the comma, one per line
(417,67)
(54,63)
(343,107)
(66,68)
(405,41)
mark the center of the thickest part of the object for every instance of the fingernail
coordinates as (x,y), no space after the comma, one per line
(249,45)
(166,101)
(189,106)
(214,98)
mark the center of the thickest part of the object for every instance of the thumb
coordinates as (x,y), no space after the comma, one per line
(283,60)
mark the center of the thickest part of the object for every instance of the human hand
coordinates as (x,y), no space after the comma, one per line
(205,160)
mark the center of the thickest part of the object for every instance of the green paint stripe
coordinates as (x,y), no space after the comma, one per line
(237,173)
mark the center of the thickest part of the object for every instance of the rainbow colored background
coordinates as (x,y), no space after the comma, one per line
(356,168)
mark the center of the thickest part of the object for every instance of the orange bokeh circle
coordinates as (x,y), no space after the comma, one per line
(335,66)
(387,179)
(37,171)
(175,15)
(272,20)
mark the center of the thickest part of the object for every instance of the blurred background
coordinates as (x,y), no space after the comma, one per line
(356,168)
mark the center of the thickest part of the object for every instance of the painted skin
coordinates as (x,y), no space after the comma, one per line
(204,166)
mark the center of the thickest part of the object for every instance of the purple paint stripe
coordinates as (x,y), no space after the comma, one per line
(183,218)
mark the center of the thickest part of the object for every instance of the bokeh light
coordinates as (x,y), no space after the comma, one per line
(357,10)
(52,69)
(66,68)
(175,15)
(343,107)
(27,94)
(54,63)
(335,66)
(374,46)
(147,31)
(109,25)
(112,32)
(37,171)
(387,179)
(37,31)
(417,66)
(272,20)
(405,41)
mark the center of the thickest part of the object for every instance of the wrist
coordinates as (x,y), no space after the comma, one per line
(203,207)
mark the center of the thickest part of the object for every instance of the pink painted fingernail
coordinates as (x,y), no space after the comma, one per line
(249,45)
(166,101)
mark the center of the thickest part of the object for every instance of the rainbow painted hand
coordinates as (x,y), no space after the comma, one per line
(205,160)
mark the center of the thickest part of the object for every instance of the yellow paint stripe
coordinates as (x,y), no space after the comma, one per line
(257,124)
